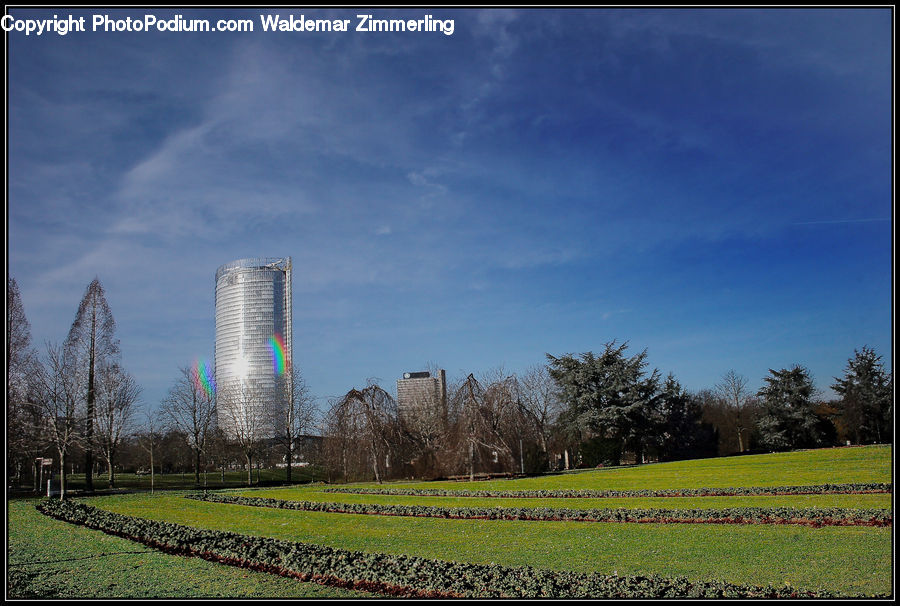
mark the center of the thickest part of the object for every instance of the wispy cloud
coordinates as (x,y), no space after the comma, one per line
(841,221)
(506,176)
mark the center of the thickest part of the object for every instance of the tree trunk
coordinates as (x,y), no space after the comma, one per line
(109,459)
(62,476)
(89,453)
(197,467)
(151,471)
(249,469)
(375,462)
(290,455)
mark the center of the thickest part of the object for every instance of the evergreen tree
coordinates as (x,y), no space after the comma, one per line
(682,432)
(789,420)
(866,398)
(610,396)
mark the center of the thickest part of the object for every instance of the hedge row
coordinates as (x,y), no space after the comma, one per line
(600,494)
(817,517)
(399,575)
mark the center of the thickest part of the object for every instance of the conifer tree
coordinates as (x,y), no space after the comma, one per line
(789,420)
(610,396)
(92,343)
(866,398)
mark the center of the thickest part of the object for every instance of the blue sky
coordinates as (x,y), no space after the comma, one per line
(711,185)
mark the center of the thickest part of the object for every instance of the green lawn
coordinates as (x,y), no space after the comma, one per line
(806,467)
(49,558)
(849,560)
(846,559)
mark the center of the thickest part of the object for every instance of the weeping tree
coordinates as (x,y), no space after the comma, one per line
(486,421)
(91,343)
(467,400)
(424,425)
(364,424)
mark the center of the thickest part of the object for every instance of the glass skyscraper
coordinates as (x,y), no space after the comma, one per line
(253,344)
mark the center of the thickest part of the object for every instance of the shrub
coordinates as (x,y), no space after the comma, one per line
(829,516)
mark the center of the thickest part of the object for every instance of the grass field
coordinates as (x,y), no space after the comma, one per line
(49,558)
(185,481)
(850,560)
(804,467)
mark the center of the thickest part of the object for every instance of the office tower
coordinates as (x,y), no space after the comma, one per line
(253,344)
(422,401)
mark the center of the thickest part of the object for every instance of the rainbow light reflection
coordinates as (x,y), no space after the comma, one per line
(205,378)
(280,362)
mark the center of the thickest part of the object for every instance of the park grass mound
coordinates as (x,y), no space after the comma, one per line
(403,576)
(860,465)
(802,561)
(51,559)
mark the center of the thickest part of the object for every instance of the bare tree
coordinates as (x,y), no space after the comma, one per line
(190,408)
(92,342)
(483,418)
(539,401)
(423,418)
(338,433)
(221,450)
(362,426)
(241,408)
(22,415)
(295,417)
(148,438)
(733,389)
(502,419)
(117,395)
(57,395)
(466,402)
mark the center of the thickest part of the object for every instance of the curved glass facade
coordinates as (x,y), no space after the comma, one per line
(253,343)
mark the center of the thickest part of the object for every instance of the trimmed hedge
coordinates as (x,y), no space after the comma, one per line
(816,517)
(600,494)
(398,574)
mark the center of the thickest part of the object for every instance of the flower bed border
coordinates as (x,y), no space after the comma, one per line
(419,577)
(868,488)
(815,517)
